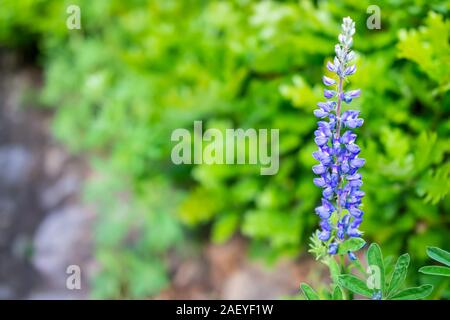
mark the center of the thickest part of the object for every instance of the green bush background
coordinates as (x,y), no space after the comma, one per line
(137,70)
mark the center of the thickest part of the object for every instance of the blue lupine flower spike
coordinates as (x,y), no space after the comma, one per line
(337,153)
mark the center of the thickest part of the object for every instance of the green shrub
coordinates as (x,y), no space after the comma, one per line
(137,70)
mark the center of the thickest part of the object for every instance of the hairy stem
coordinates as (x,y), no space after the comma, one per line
(338,108)
(338,132)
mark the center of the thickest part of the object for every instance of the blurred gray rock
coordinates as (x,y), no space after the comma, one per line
(55,157)
(67,185)
(55,294)
(6,292)
(7,208)
(61,240)
(15,164)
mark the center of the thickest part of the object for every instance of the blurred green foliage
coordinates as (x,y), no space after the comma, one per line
(139,69)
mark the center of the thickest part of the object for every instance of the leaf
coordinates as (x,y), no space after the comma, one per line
(358,265)
(422,156)
(352,244)
(318,248)
(399,274)
(439,255)
(146,278)
(200,206)
(224,227)
(355,285)
(436,270)
(337,293)
(414,293)
(309,292)
(375,258)
(424,47)
(272,224)
(436,184)
(388,263)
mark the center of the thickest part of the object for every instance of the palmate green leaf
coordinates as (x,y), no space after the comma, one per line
(317,247)
(436,270)
(375,258)
(355,285)
(309,292)
(439,255)
(399,274)
(388,264)
(337,293)
(415,293)
(426,154)
(423,47)
(436,184)
(352,244)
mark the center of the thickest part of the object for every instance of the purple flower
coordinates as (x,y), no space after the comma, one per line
(321,140)
(347,97)
(320,182)
(348,137)
(355,223)
(338,153)
(353,148)
(323,156)
(351,120)
(327,106)
(324,235)
(355,212)
(354,93)
(329,93)
(328,193)
(351,256)
(325,225)
(319,169)
(333,248)
(340,233)
(319,113)
(328,81)
(377,295)
(325,127)
(331,67)
(352,232)
(350,70)
(350,57)
(323,212)
(357,162)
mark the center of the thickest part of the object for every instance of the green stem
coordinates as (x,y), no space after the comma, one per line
(338,133)
(338,108)
(359,266)
(342,263)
